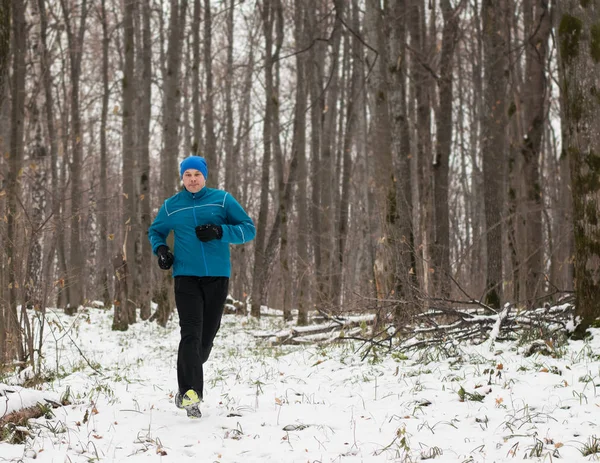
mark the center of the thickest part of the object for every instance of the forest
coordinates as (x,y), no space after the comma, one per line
(395,155)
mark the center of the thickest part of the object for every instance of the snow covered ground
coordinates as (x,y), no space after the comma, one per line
(307,404)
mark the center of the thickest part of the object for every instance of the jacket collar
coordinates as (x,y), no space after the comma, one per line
(189,195)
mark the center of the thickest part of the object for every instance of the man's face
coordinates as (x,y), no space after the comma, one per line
(193,180)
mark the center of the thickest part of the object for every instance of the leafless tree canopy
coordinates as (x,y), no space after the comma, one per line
(396,157)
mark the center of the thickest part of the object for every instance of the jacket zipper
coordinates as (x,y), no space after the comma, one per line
(195,225)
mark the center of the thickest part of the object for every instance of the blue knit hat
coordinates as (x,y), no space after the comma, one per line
(194,162)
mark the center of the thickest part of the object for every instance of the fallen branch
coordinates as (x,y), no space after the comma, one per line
(436,326)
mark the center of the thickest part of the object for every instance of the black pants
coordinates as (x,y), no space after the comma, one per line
(200,302)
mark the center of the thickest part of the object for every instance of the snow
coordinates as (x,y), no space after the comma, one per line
(305,403)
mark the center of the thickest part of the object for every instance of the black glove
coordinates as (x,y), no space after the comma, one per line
(165,257)
(209,232)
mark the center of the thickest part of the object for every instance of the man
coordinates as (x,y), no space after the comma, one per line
(205,221)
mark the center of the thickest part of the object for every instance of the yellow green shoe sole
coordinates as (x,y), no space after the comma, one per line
(191,402)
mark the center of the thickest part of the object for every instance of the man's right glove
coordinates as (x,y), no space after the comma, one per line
(165,257)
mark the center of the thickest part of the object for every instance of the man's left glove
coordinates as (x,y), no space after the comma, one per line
(209,232)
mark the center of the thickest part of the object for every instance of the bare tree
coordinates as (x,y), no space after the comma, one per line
(103,200)
(356,86)
(403,235)
(580,54)
(421,91)
(441,165)
(45,71)
(144,144)
(535,94)
(168,159)
(230,160)
(13,347)
(210,147)
(5,15)
(77,261)
(299,146)
(124,304)
(493,138)
(259,280)
(197,143)
(316,95)
(326,165)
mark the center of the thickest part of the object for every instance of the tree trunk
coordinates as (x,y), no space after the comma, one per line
(317,108)
(441,166)
(45,65)
(535,94)
(230,160)
(355,87)
(13,348)
(421,83)
(403,237)
(168,159)
(5,22)
(5,14)
(580,56)
(77,261)
(493,138)
(120,321)
(210,148)
(144,144)
(129,222)
(39,159)
(283,209)
(326,166)
(197,119)
(259,280)
(299,145)
(103,201)
(381,172)
(171,114)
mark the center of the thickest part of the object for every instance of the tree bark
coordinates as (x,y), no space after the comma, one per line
(210,148)
(493,142)
(535,95)
(144,144)
(230,159)
(103,204)
(403,235)
(5,23)
(129,221)
(5,16)
(302,267)
(168,159)
(197,118)
(381,172)
(441,165)
(579,50)
(259,280)
(317,108)
(326,167)
(13,348)
(421,91)
(77,261)
(351,55)
(45,66)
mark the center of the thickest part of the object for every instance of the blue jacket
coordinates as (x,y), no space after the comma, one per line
(183,212)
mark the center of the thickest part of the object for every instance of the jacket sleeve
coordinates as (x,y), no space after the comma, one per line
(239,227)
(160,229)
